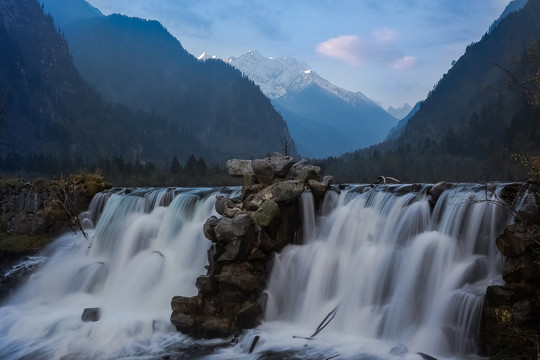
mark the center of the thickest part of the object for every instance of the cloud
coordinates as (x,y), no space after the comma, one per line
(404,63)
(344,47)
(384,35)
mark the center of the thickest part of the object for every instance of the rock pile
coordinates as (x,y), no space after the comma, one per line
(251,228)
(512,311)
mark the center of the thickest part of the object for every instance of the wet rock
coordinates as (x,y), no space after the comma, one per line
(223,203)
(232,212)
(303,171)
(263,170)
(287,191)
(266,213)
(209,228)
(182,322)
(245,238)
(318,188)
(91,314)
(231,228)
(213,327)
(239,168)
(241,276)
(511,313)
(399,350)
(514,240)
(248,316)
(235,250)
(436,190)
(207,285)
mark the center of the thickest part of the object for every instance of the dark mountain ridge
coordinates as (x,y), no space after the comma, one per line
(48,108)
(139,63)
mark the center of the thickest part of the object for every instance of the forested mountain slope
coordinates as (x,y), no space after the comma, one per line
(47,107)
(481,112)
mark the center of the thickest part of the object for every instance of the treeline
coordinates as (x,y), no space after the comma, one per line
(480,150)
(118,171)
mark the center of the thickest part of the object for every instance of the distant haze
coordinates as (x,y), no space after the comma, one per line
(392,51)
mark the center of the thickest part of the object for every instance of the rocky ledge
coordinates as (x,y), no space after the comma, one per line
(263,220)
(512,311)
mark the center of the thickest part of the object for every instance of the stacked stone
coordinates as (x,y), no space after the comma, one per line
(512,310)
(263,221)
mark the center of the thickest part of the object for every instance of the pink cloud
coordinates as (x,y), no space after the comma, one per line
(404,63)
(344,47)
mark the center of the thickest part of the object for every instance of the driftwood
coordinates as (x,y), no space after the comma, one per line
(331,357)
(426,356)
(253,344)
(321,326)
(384,179)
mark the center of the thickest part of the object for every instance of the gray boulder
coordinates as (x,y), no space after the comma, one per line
(230,228)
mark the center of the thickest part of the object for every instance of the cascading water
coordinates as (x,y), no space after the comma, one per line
(147,247)
(402,275)
(395,269)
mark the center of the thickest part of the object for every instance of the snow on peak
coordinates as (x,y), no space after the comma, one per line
(205,56)
(278,77)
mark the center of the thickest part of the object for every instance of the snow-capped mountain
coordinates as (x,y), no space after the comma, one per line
(278,77)
(205,56)
(324,119)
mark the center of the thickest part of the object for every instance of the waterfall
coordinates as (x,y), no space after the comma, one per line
(404,275)
(395,269)
(147,247)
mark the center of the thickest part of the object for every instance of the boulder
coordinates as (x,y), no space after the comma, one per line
(232,212)
(281,165)
(207,285)
(514,240)
(183,322)
(287,191)
(266,213)
(248,316)
(212,327)
(436,190)
(303,171)
(209,228)
(318,188)
(230,228)
(223,203)
(241,276)
(327,180)
(91,314)
(235,250)
(239,168)
(263,170)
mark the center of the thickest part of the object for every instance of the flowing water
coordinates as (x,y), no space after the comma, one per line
(397,275)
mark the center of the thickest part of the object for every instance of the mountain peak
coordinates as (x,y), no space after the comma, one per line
(400,112)
(281,77)
(205,56)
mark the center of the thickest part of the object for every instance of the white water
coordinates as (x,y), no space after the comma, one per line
(140,255)
(397,272)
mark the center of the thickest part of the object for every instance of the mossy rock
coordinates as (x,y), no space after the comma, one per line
(87,184)
(23,244)
(40,185)
(16,184)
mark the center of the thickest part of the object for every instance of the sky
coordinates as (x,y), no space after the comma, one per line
(393,51)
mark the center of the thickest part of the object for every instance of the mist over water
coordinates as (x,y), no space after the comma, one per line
(402,276)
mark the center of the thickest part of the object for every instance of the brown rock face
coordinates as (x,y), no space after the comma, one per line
(512,311)
(244,241)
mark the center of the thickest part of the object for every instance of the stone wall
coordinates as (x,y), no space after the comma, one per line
(512,311)
(248,232)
